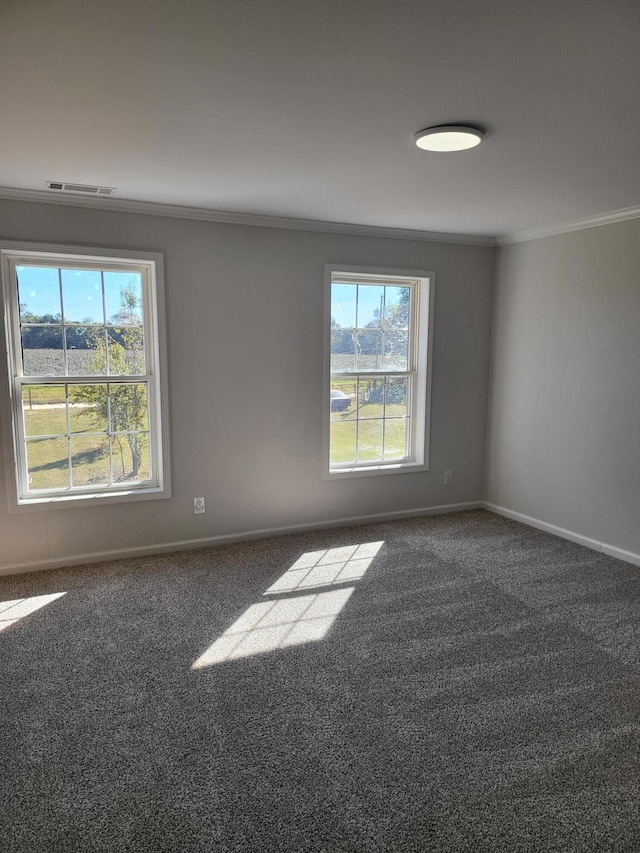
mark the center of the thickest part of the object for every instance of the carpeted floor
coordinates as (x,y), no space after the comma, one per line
(470,684)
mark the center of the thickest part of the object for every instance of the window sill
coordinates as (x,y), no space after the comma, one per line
(375,470)
(50,502)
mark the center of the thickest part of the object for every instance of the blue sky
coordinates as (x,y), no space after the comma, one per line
(39,292)
(343,302)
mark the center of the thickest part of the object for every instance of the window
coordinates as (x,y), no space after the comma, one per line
(378,366)
(85,359)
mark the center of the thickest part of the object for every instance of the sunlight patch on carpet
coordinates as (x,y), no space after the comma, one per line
(13,611)
(280,621)
(277,624)
(326,567)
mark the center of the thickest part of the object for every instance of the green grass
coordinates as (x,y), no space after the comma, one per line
(369,440)
(34,395)
(48,458)
(358,432)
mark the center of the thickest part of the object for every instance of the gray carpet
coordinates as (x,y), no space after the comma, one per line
(477,690)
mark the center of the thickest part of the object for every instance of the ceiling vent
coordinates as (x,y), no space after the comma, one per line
(85,189)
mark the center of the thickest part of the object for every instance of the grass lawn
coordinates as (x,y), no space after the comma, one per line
(368,431)
(48,458)
(35,394)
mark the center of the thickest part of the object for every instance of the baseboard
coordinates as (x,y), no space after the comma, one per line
(594,544)
(245,536)
(621,554)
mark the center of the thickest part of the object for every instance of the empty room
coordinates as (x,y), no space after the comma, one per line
(319,426)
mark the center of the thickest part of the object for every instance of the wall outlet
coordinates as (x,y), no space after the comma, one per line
(198,506)
(448,479)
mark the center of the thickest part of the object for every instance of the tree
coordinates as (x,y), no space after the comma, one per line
(398,314)
(125,408)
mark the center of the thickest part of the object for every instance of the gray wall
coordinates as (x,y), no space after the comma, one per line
(245,348)
(564,421)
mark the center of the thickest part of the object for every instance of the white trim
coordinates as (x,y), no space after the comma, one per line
(267,533)
(564,228)
(593,544)
(620,554)
(175,211)
(422,330)
(375,470)
(245,536)
(202,214)
(157,380)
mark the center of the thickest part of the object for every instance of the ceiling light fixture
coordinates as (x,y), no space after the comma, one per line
(448,137)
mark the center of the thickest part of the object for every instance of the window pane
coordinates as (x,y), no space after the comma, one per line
(342,350)
(130,454)
(396,308)
(370,441)
(81,339)
(41,394)
(369,355)
(85,351)
(396,397)
(123,298)
(343,441)
(48,463)
(126,350)
(39,294)
(342,399)
(90,460)
(395,438)
(128,407)
(396,350)
(343,305)
(44,408)
(42,353)
(370,305)
(87,408)
(370,398)
(82,296)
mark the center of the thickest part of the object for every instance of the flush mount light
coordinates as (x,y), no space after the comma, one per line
(448,137)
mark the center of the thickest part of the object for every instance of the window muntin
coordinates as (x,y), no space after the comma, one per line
(84,368)
(378,371)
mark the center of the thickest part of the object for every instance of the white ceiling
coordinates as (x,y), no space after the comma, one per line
(307,108)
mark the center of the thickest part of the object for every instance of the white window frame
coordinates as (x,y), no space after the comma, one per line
(150,265)
(421,357)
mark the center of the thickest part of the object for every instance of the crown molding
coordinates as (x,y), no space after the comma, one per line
(205,215)
(565,228)
(349,229)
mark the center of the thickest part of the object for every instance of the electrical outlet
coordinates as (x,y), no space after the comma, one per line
(198,506)
(448,478)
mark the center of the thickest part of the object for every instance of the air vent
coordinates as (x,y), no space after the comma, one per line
(86,189)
